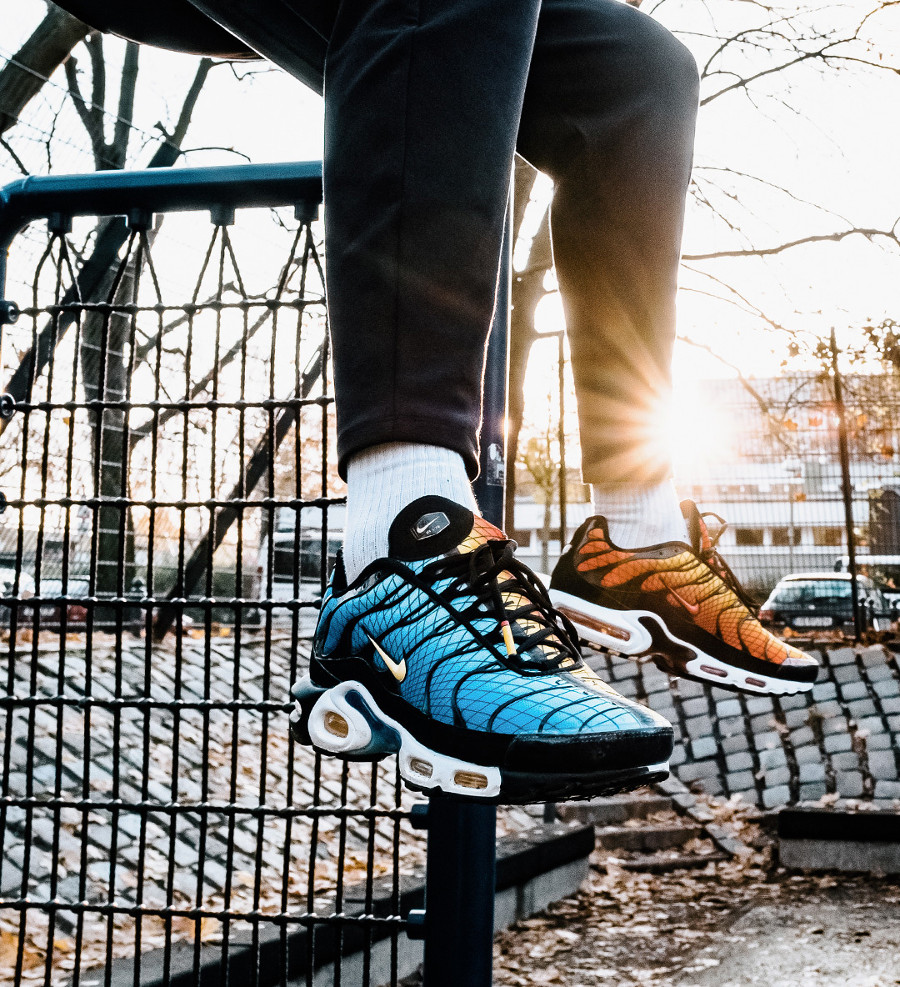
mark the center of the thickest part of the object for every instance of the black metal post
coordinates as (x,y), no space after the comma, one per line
(459,895)
(846,487)
(563,495)
(462,836)
(490,487)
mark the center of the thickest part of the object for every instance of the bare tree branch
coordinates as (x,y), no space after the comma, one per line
(16,159)
(125,112)
(869,234)
(190,103)
(81,106)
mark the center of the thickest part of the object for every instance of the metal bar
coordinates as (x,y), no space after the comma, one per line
(459,894)
(220,189)
(846,487)
(462,837)
(118,193)
(490,486)
(563,496)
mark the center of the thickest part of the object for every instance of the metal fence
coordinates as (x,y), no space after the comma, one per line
(769,457)
(808,475)
(169,505)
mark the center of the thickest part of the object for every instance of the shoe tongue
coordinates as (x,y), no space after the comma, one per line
(433,526)
(697,530)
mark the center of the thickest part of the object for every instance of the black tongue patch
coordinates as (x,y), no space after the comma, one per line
(428,527)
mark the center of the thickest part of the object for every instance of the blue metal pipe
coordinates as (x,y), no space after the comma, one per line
(130,193)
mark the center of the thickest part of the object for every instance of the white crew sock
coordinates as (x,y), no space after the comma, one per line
(382,480)
(641,516)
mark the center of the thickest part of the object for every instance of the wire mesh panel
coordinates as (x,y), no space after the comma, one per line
(170,508)
(777,474)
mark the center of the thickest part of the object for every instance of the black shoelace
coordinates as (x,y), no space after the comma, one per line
(554,640)
(714,560)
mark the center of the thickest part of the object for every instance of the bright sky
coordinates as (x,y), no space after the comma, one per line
(827,137)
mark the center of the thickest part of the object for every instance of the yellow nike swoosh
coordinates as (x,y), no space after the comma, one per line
(396,668)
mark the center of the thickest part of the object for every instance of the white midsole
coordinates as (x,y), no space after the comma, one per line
(615,630)
(419,765)
(622,631)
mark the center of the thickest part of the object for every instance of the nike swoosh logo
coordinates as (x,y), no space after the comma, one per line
(430,525)
(693,608)
(396,668)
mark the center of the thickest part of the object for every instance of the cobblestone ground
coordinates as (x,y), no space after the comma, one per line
(103,749)
(841,740)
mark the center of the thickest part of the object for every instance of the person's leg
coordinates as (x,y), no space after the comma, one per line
(609,114)
(422,108)
(423,99)
(443,648)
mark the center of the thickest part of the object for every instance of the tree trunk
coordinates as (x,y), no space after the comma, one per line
(23,76)
(104,346)
(545,534)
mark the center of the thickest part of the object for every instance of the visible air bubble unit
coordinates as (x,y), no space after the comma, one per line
(420,767)
(600,626)
(336,724)
(711,670)
(470,779)
(345,720)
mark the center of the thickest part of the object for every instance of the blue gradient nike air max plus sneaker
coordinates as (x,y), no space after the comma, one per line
(449,654)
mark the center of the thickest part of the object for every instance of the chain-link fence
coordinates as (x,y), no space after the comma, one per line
(169,506)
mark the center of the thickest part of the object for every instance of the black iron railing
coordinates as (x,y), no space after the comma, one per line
(170,506)
(168,510)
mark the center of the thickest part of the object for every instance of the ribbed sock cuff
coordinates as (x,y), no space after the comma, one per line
(382,480)
(641,516)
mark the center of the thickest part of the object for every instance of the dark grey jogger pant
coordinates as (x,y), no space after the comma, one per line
(426,102)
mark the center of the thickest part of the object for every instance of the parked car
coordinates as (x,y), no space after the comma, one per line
(883,570)
(7,582)
(814,601)
(52,613)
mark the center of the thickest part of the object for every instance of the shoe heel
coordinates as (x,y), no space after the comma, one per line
(305,696)
(339,721)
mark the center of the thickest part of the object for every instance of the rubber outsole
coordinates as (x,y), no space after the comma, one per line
(345,721)
(641,632)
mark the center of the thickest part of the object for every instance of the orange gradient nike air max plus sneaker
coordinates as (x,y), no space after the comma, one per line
(679,603)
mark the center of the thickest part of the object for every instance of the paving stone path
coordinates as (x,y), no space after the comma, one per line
(841,739)
(163,776)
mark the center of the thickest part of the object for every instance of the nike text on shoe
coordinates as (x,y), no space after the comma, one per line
(449,654)
(680,603)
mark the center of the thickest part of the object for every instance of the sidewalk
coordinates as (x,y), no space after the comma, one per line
(730,924)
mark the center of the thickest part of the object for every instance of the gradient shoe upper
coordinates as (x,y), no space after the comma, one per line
(689,586)
(454,628)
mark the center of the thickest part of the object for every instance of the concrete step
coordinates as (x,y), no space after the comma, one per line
(812,838)
(648,838)
(663,863)
(614,809)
